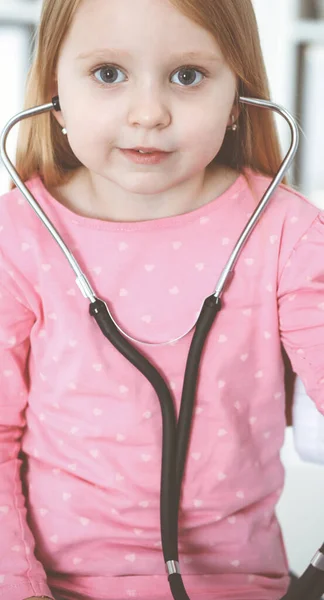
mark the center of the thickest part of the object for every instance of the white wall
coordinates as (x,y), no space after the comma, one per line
(275,20)
(14,44)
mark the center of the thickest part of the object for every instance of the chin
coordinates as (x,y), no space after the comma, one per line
(144,184)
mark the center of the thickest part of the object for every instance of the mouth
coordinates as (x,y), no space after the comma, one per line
(145,156)
(147,150)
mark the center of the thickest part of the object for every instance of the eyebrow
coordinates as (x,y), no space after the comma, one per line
(184,56)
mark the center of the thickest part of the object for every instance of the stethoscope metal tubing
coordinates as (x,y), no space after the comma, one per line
(176,436)
(228,269)
(82,280)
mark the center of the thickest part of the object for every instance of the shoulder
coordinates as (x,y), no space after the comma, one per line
(286,201)
(290,220)
(19,229)
(288,211)
(14,208)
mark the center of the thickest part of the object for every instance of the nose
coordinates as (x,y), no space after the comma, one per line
(148,108)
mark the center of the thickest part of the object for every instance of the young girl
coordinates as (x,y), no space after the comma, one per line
(80,519)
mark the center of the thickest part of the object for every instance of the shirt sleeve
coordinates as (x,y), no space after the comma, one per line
(301,310)
(21,574)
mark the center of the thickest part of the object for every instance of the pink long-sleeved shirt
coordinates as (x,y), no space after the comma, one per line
(81,519)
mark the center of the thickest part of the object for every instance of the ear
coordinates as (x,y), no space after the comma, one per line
(57,114)
(233,118)
(235,111)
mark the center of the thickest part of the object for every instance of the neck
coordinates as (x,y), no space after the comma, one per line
(95,197)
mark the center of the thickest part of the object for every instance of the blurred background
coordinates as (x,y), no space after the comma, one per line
(292,36)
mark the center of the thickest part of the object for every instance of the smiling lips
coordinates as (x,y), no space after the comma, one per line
(146,156)
(146,150)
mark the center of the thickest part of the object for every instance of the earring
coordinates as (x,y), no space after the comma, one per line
(64,131)
(232,127)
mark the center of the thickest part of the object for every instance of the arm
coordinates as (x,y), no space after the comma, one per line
(301,310)
(21,575)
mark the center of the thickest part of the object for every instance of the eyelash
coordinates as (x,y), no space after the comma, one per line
(184,68)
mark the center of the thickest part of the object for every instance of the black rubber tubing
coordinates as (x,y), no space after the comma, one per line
(176,437)
(310,586)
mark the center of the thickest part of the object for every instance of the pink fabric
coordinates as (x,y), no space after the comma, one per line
(89,424)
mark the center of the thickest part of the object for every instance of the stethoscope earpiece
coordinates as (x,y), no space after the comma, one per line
(56,103)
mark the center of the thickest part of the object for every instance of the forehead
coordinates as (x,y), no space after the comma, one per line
(136,26)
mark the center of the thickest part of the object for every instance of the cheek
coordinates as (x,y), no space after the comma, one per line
(86,117)
(85,143)
(91,133)
(204,134)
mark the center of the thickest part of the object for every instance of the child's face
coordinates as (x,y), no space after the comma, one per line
(144,96)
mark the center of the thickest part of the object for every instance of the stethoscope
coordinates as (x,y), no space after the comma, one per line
(176,435)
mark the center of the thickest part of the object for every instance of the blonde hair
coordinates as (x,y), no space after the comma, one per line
(43,150)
